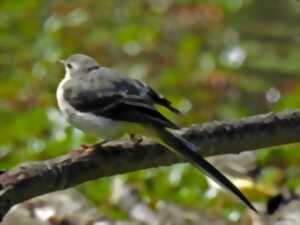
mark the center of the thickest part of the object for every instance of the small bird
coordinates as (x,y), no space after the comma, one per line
(102,101)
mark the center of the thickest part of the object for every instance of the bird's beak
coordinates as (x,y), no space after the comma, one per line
(62,61)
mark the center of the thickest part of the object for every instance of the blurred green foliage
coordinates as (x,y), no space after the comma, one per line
(215,59)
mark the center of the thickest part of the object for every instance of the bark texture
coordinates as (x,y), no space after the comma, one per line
(27,181)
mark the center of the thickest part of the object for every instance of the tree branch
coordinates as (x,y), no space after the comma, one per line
(27,181)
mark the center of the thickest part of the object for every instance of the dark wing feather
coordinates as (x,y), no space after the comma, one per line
(158,98)
(136,112)
(113,105)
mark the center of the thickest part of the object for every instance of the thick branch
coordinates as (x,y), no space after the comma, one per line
(27,181)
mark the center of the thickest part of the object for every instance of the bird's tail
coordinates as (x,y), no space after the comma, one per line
(189,151)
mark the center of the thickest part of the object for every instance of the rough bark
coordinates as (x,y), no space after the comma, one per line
(27,181)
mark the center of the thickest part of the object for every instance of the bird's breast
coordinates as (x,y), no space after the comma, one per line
(85,121)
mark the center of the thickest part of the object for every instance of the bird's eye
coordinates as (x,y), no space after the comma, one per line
(69,65)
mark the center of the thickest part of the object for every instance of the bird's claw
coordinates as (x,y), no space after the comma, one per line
(136,140)
(91,146)
(87,146)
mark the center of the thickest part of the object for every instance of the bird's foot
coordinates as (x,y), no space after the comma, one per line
(101,143)
(136,140)
(87,146)
(91,146)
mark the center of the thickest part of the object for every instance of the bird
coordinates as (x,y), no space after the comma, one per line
(103,101)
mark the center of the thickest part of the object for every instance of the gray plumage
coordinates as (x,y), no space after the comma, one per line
(105,93)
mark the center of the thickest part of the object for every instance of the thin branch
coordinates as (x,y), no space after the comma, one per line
(27,181)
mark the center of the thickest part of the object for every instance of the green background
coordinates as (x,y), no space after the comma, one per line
(215,59)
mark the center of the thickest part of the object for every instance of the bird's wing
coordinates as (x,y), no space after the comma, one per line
(131,87)
(131,110)
(157,97)
(105,99)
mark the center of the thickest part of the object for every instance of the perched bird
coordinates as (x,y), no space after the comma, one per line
(99,100)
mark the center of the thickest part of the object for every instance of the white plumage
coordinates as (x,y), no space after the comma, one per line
(88,122)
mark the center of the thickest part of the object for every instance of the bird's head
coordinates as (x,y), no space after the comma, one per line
(79,64)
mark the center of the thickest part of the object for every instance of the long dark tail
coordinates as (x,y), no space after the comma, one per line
(188,151)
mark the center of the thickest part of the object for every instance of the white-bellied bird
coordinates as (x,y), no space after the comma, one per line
(100,100)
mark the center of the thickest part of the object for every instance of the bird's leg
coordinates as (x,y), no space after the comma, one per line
(89,146)
(86,146)
(136,140)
